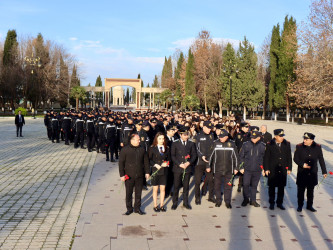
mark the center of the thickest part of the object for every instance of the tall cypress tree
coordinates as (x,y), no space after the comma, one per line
(10,48)
(99,83)
(189,77)
(74,78)
(178,69)
(155,83)
(273,65)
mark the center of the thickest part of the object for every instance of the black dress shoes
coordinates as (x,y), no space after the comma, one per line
(218,204)
(163,209)
(228,205)
(299,209)
(197,202)
(187,206)
(245,202)
(281,207)
(128,212)
(271,206)
(311,209)
(174,207)
(255,204)
(140,212)
(212,200)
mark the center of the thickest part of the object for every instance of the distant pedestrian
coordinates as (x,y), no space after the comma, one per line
(19,122)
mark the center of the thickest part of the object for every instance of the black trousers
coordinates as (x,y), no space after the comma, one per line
(55,135)
(220,179)
(177,184)
(49,133)
(109,150)
(117,149)
(62,136)
(101,144)
(280,195)
(250,184)
(136,185)
(90,140)
(79,138)
(19,129)
(309,194)
(67,135)
(169,184)
(200,170)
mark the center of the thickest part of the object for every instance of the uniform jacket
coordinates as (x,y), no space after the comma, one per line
(178,153)
(133,161)
(126,129)
(66,123)
(277,159)
(144,139)
(155,157)
(204,144)
(224,158)
(252,156)
(310,155)
(241,137)
(267,137)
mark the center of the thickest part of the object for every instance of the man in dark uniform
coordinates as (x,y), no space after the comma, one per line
(252,157)
(224,162)
(126,128)
(183,155)
(55,128)
(134,163)
(101,135)
(90,130)
(204,143)
(118,126)
(110,137)
(79,132)
(66,127)
(170,132)
(144,139)
(47,123)
(277,164)
(241,137)
(306,156)
(60,117)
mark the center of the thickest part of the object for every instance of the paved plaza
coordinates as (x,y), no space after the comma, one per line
(52,196)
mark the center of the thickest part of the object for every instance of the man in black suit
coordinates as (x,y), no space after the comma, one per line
(133,168)
(266,136)
(183,155)
(19,122)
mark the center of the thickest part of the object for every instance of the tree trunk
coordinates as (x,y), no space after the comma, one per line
(77,104)
(244,113)
(326,115)
(205,100)
(220,108)
(275,116)
(287,108)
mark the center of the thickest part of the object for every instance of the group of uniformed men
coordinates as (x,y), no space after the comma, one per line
(216,149)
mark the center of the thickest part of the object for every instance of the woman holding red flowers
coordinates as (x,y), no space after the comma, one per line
(159,159)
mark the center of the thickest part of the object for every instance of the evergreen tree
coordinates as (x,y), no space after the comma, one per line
(248,90)
(10,48)
(155,83)
(127,96)
(273,65)
(74,77)
(178,87)
(99,83)
(189,77)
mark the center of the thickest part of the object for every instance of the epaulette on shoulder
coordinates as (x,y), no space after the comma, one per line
(300,144)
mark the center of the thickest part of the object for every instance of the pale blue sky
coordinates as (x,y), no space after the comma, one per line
(120,39)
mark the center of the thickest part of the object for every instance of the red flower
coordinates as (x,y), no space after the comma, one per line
(287,168)
(126,177)
(167,162)
(262,167)
(187,157)
(331,173)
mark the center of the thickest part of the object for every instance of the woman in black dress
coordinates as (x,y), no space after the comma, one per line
(159,158)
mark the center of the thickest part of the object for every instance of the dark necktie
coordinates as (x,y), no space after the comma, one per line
(184,143)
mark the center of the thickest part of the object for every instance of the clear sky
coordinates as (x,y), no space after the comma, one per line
(119,39)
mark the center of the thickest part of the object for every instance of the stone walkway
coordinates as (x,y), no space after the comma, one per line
(102,225)
(42,187)
(50,192)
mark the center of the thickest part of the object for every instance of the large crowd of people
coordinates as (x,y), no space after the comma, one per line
(165,150)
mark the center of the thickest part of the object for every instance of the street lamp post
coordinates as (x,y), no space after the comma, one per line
(33,61)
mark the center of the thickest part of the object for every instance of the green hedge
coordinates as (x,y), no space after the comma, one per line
(24,111)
